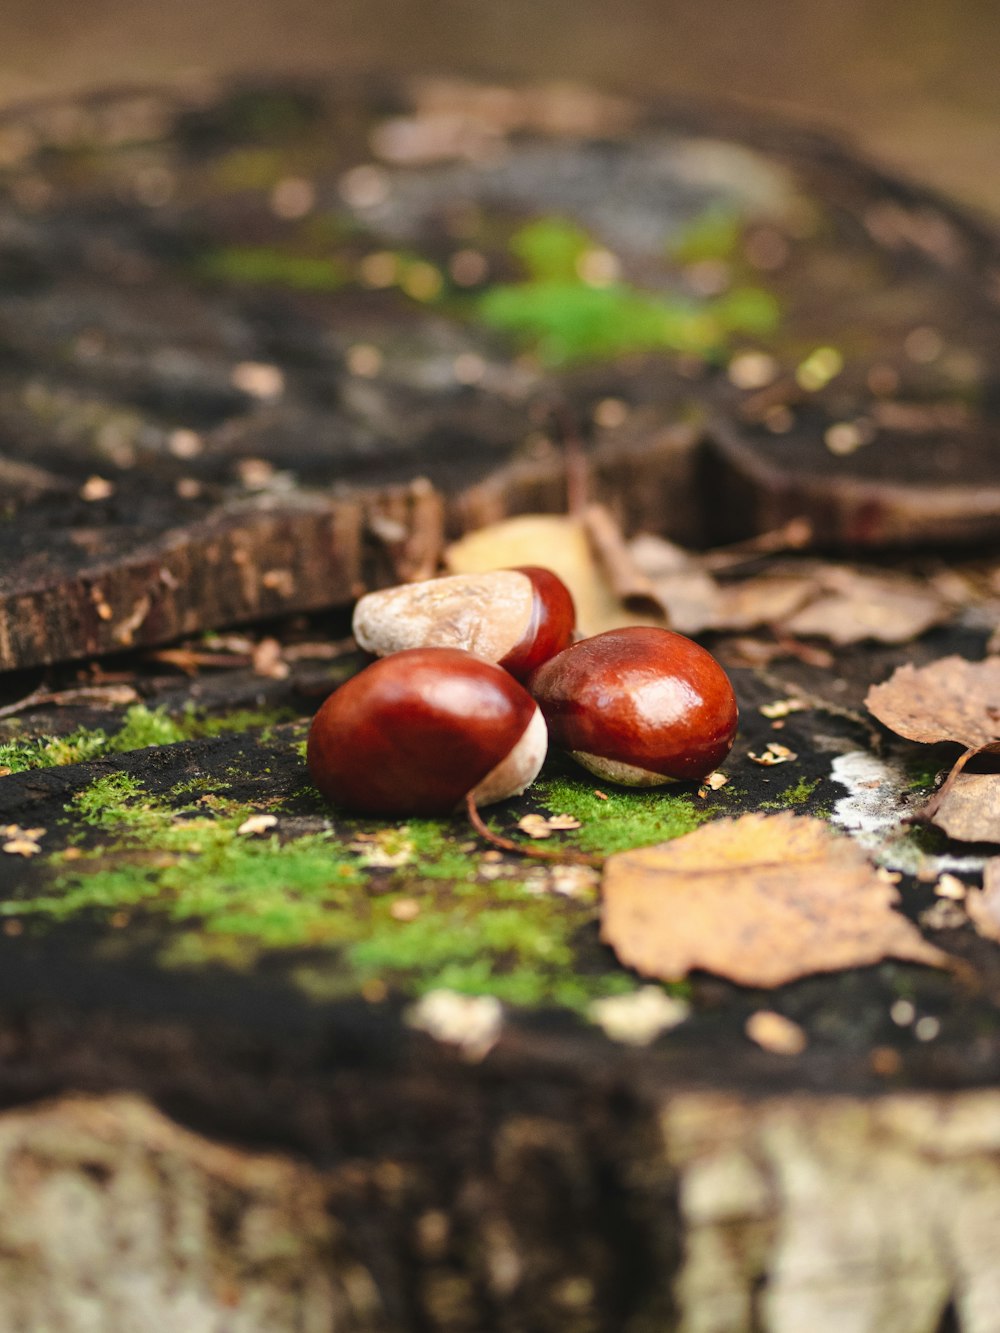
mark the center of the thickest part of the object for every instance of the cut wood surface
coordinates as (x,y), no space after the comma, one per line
(272,305)
(263,1067)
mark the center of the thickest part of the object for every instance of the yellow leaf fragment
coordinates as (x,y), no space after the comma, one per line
(557,542)
(762,900)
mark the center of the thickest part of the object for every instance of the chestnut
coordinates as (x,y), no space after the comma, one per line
(639,706)
(420,732)
(517,618)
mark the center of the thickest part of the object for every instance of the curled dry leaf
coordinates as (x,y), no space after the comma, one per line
(952,699)
(762,900)
(968,807)
(856,606)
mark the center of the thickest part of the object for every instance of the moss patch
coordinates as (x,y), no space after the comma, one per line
(565,316)
(401,908)
(267,266)
(140,728)
(621,819)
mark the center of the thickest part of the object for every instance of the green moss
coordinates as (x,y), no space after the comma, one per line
(564,319)
(141,727)
(53,751)
(551,249)
(229,897)
(713,234)
(795,795)
(624,818)
(266,266)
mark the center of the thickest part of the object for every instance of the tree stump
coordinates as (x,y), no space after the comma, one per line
(268,1068)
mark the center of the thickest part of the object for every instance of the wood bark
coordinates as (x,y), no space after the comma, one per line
(836,1214)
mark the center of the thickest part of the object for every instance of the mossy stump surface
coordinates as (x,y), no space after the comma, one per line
(256,364)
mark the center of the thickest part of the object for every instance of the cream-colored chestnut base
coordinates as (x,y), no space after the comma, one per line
(519,769)
(627,775)
(484,614)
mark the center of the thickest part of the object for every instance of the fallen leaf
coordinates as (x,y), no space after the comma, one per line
(857,606)
(774,1032)
(767,600)
(762,900)
(952,699)
(968,807)
(558,542)
(983,905)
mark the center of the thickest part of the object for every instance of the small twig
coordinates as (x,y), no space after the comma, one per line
(575,462)
(795,535)
(607,541)
(109,695)
(936,800)
(568,856)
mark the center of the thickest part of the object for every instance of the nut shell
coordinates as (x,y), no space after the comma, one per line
(414,733)
(515,617)
(655,704)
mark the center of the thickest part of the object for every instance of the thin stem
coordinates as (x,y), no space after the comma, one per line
(567,856)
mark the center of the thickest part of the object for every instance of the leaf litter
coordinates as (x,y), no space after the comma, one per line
(762,900)
(958,701)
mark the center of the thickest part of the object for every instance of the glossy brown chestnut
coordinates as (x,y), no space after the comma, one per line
(640,706)
(415,733)
(517,618)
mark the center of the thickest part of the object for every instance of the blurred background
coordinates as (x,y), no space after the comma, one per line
(914,82)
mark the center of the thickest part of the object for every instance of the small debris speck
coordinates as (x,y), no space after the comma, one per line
(257,824)
(903,1012)
(772,754)
(471,1022)
(639,1018)
(97,488)
(776,1033)
(927,1028)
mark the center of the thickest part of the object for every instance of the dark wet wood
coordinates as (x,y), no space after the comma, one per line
(373,1178)
(117,333)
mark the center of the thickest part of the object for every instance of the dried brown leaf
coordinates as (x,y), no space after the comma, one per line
(767,600)
(762,900)
(968,807)
(856,607)
(952,699)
